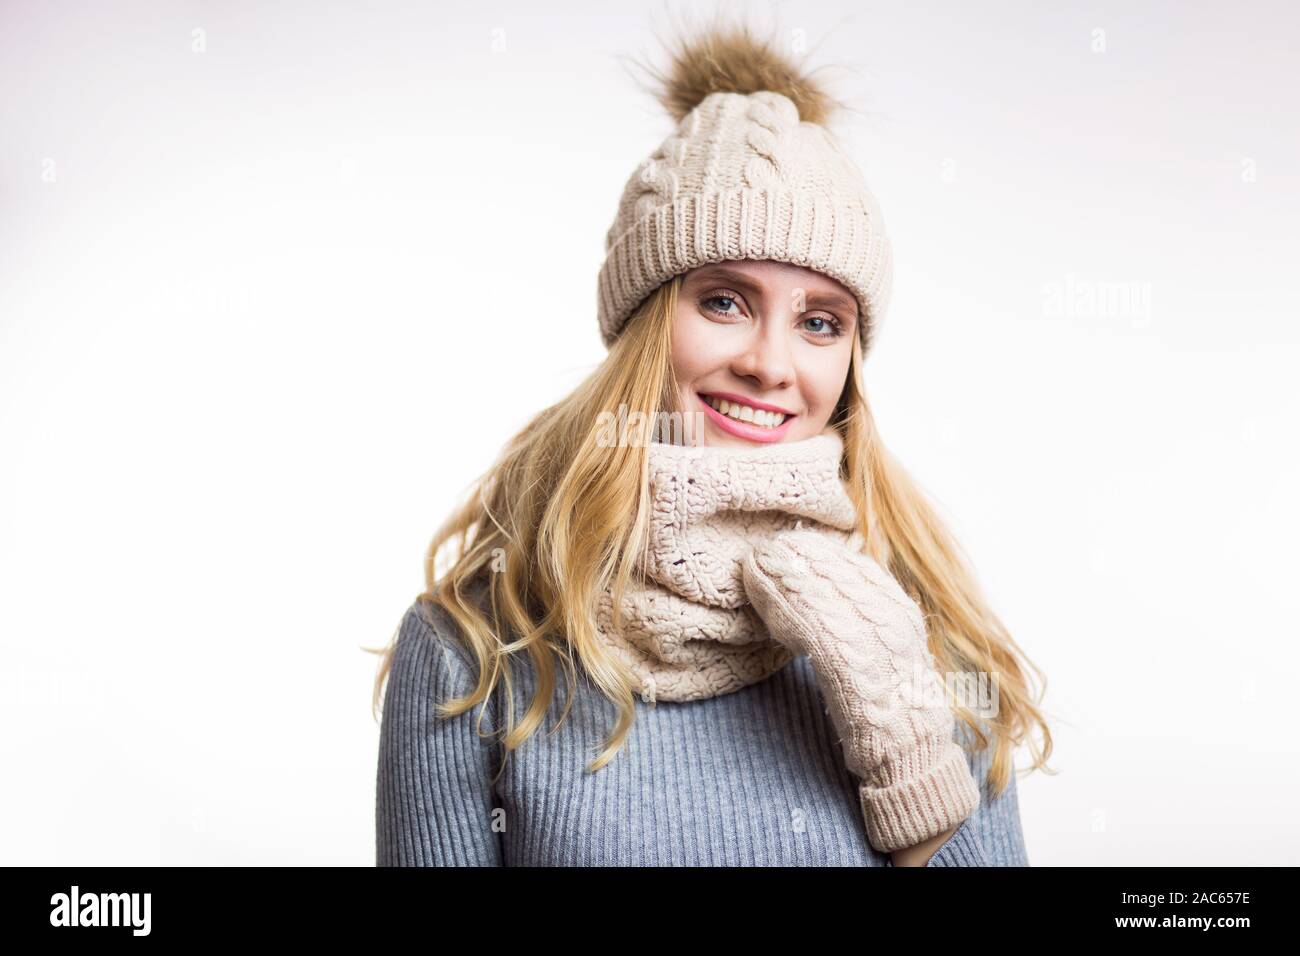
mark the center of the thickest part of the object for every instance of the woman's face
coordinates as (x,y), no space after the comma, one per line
(754,340)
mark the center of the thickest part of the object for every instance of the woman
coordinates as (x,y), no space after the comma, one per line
(768,619)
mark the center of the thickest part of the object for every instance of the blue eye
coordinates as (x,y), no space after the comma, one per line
(829,329)
(718,298)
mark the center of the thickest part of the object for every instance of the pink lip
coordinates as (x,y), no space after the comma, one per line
(744,429)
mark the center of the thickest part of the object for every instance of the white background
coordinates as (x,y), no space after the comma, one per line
(273,293)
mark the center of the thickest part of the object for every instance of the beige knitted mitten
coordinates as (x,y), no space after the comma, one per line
(867,643)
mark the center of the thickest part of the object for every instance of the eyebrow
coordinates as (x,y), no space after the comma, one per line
(710,273)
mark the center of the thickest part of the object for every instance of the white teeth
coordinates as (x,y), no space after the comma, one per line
(746,413)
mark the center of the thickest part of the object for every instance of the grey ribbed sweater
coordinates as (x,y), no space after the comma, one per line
(751,778)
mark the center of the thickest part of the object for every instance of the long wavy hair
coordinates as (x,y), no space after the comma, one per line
(562,515)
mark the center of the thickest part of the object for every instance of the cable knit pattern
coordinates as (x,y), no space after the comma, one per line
(866,639)
(743,178)
(689,631)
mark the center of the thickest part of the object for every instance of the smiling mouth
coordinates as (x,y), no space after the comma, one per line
(758,417)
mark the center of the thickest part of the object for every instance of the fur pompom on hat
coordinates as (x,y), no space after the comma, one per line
(751,172)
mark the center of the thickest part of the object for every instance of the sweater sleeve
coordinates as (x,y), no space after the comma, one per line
(434,797)
(992,835)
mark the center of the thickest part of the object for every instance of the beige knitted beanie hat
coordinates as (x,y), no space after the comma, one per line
(750,172)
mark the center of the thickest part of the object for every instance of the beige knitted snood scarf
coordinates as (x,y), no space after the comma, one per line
(752,558)
(691,632)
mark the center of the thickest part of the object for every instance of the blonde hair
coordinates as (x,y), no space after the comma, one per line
(569,513)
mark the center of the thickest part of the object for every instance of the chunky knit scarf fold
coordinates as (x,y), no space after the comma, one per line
(688,631)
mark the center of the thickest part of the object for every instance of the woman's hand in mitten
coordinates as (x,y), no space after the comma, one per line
(866,639)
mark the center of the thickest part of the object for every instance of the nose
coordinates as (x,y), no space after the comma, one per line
(765,360)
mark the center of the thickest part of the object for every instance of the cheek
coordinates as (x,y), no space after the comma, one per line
(822,374)
(696,353)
